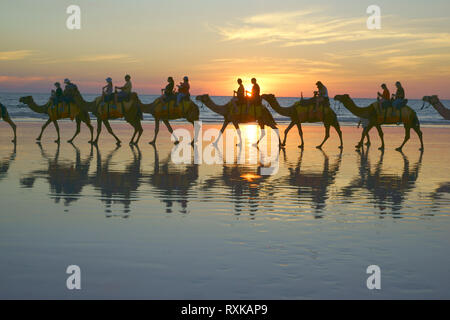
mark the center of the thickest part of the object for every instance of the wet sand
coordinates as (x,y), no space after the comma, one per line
(180,231)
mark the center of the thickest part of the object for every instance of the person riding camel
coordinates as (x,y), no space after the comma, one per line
(384,98)
(167,92)
(68,91)
(321,95)
(399,100)
(125,91)
(255,97)
(183,90)
(107,91)
(238,96)
(57,94)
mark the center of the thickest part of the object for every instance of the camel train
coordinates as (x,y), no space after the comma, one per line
(239,110)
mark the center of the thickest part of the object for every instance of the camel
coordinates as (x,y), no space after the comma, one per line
(378,117)
(5,116)
(437,104)
(385,188)
(256,113)
(62,111)
(129,110)
(301,112)
(165,111)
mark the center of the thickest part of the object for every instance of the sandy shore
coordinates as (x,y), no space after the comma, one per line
(140,226)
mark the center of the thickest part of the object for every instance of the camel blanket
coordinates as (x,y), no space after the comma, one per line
(168,110)
(254,110)
(307,114)
(63,111)
(109,110)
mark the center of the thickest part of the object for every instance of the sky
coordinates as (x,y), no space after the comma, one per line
(287,45)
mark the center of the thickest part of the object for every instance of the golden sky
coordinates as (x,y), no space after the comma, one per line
(287,48)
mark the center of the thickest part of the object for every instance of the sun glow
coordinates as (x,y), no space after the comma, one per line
(251,133)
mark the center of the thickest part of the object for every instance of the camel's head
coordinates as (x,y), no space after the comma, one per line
(202,98)
(26,99)
(431,99)
(342,97)
(268,96)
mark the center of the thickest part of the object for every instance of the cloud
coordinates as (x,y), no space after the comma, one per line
(124,58)
(15,55)
(16,79)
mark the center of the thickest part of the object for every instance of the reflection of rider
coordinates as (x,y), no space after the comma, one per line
(183,90)
(321,96)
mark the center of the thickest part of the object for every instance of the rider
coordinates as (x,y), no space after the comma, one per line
(384,98)
(107,91)
(125,91)
(399,97)
(238,95)
(57,94)
(68,91)
(321,95)
(255,98)
(167,92)
(183,90)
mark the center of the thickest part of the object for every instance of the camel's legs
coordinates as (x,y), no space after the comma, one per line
(381,134)
(99,130)
(238,130)
(55,123)
(363,135)
(42,129)
(300,132)
(419,133)
(140,130)
(134,125)
(13,126)
(224,126)
(156,131)
(263,133)
(327,135)
(169,127)
(286,131)
(87,121)
(337,127)
(407,136)
(110,130)
(78,120)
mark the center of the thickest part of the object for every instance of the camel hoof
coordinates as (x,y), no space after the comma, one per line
(69,141)
(301,146)
(152,142)
(118,143)
(382,148)
(176,142)
(57,141)
(341,147)
(421,149)
(367,143)
(358,146)
(398,149)
(319,147)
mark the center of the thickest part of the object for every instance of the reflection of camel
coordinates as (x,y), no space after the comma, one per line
(437,104)
(5,116)
(129,110)
(312,186)
(263,117)
(66,180)
(444,188)
(165,111)
(6,162)
(301,112)
(385,188)
(173,183)
(117,186)
(377,117)
(244,183)
(68,112)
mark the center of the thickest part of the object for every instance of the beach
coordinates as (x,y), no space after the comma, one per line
(140,226)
